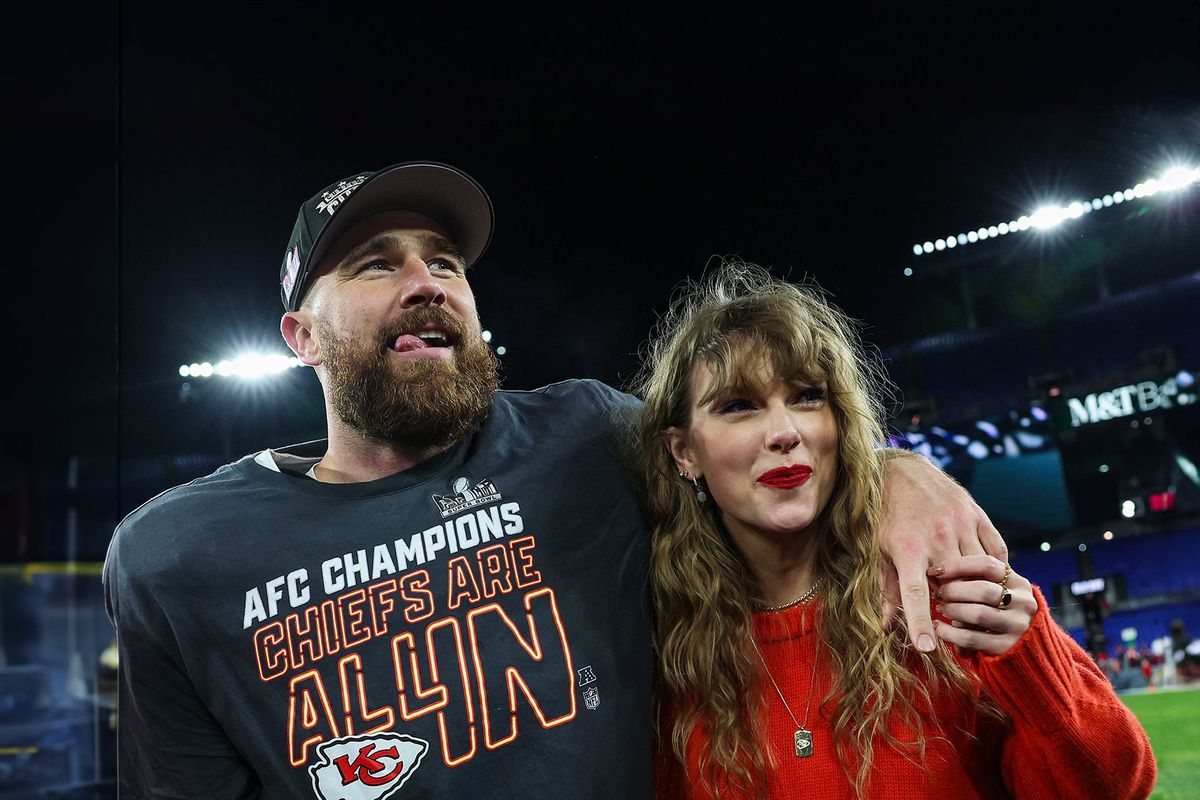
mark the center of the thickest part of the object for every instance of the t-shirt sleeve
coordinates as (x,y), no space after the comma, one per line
(1070,735)
(169,744)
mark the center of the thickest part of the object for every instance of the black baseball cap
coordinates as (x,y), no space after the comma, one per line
(445,194)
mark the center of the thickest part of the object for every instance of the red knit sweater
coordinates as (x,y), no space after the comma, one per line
(1067,736)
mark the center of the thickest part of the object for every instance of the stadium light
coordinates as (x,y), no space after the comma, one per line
(1177,178)
(1174,179)
(248,366)
(1047,217)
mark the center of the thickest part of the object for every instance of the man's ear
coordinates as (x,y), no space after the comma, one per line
(681,452)
(296,327)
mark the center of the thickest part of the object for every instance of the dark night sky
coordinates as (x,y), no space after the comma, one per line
(163,154)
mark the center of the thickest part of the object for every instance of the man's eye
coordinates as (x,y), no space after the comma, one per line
(375,265)
(445,265)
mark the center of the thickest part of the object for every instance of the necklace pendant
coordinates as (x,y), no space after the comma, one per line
(804,743)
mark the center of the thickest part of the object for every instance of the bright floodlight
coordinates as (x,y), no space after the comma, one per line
(486,336)
(501,350)
(1128,509)
(1045,547)
(249,366)
(1047,217)
(1177,178)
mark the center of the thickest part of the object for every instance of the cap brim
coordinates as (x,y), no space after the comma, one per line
(449,197)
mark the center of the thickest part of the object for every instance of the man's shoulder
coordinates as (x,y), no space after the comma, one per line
(576,413)
(168,515)
(574,393)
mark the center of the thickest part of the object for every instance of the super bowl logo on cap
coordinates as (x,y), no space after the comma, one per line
(333,198)
(292,264)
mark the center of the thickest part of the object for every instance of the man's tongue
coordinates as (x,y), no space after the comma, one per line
(409,342)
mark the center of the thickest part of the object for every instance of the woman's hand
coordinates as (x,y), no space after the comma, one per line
(989,605)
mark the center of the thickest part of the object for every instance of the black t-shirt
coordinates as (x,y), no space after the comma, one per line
(474,626)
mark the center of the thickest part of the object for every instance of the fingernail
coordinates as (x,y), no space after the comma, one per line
(935,570)
(925,643)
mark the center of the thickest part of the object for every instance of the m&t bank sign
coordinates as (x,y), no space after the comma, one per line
(1132,399)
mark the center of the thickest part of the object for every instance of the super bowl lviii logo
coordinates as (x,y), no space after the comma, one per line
(466,496)
(366,767)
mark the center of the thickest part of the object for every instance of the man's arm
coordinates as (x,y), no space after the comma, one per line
(169,744)
(927,519)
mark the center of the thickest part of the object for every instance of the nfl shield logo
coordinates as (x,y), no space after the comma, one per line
(591,698)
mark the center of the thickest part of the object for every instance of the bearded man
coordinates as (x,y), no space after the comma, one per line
(444,598)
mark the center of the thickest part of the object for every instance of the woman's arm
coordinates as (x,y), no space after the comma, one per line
(1069,735)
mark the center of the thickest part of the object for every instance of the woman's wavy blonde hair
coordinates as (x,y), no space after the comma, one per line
(742,323)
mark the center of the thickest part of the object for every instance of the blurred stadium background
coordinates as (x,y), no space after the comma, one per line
(1015,212)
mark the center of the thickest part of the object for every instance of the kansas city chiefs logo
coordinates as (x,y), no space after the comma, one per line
(366,767)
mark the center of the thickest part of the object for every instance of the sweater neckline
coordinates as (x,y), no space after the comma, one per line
(786,625)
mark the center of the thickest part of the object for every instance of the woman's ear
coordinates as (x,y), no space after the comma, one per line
(681,452)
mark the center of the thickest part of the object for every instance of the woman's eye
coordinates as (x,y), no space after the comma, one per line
(811,395)
(734,406)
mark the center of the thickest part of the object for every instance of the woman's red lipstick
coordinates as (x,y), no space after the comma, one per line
(786,477)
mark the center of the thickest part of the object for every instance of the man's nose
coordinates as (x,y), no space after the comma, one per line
(420,287)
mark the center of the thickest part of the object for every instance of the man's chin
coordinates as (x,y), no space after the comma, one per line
(423,356)
(419,370)
(420,401)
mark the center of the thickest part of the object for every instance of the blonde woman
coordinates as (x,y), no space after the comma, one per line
(776,676)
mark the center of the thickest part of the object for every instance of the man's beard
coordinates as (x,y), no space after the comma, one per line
(426,403)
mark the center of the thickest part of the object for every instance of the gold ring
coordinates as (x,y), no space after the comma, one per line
(1007,574)
(1005,598)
